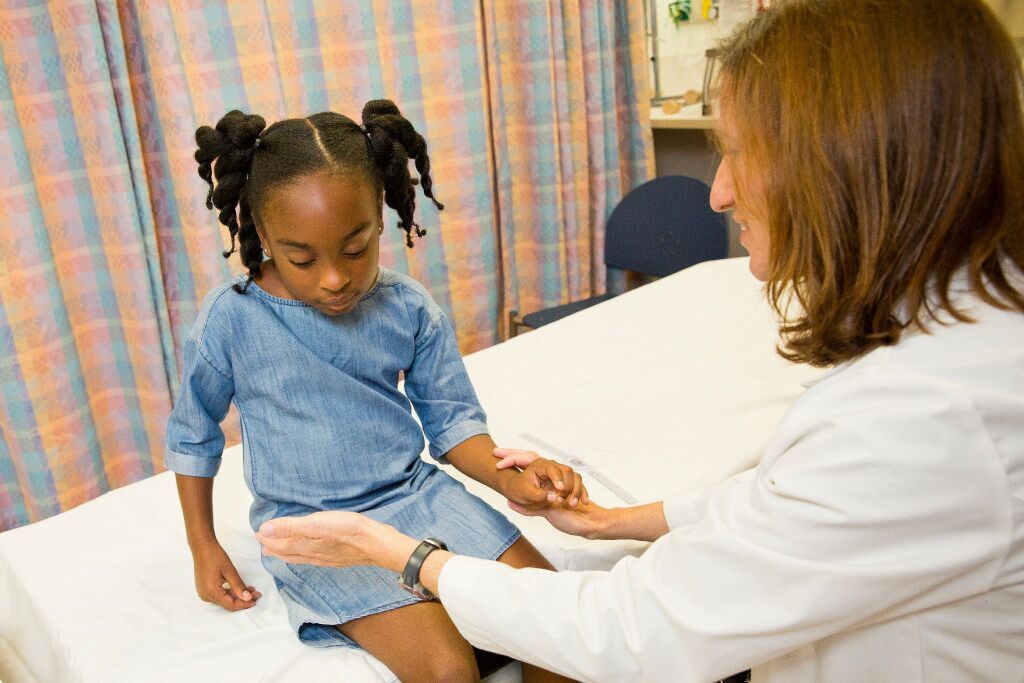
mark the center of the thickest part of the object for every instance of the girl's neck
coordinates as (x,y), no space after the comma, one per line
(270,282)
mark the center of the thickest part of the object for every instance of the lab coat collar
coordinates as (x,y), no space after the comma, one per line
(822,376)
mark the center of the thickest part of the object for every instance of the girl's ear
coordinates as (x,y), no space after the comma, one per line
(264,242)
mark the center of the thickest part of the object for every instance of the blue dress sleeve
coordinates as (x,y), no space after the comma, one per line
(195,440)
(438,385)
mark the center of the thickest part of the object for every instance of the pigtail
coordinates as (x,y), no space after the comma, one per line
(393,140)
(225,155)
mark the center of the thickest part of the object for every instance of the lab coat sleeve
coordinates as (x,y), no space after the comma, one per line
(887,498)
(687,508)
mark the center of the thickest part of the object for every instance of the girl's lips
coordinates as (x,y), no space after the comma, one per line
(339,302)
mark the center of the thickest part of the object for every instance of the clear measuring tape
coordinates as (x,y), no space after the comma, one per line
(581,465)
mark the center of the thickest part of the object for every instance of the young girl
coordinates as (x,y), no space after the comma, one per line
(310,346)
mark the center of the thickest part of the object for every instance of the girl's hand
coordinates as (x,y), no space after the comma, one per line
(218,582)
(542,482)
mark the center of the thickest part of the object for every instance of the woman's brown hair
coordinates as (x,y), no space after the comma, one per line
(889,138)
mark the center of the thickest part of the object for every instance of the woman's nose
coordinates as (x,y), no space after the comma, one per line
(722,198)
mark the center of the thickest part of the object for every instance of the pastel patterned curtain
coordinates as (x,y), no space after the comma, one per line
(570,108)
(106,246)
(84,335)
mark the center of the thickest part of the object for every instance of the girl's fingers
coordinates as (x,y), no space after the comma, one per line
(236,585)
(569,477)
(555,475)
(574,496)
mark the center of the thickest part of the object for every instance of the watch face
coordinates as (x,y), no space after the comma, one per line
(418,590)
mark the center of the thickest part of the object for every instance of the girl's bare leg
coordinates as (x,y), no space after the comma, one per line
(523,554)
(417,642)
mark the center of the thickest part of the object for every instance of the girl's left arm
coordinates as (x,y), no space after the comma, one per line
(538,484)
(439,388)
(473,457)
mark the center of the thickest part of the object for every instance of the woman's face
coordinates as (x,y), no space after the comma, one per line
(323,233)
(750,209)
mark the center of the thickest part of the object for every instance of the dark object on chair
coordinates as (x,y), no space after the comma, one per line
(657,229)
(489,662)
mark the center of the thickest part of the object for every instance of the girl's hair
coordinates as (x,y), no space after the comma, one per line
(247,159)
(887,140)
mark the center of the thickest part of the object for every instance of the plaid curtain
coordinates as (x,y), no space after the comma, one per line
(534,113)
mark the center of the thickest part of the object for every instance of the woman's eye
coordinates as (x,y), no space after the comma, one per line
(303,264)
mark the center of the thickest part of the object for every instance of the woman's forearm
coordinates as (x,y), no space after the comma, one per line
(639,523)
(391,549)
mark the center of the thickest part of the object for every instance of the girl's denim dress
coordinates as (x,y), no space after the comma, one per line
(325,427)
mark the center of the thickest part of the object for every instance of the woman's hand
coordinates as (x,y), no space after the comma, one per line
(587,520)
(561,483)
(336,539)
(217,580)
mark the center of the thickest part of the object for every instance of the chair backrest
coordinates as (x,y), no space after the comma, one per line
(663,226)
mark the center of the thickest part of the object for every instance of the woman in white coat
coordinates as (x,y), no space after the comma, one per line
(874,155)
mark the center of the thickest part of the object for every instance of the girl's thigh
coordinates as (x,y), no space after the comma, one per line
(523,554)
(418,642)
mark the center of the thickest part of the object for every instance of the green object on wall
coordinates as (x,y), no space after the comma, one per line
(680,11)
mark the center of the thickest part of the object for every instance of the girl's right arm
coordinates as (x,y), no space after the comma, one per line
(213,568)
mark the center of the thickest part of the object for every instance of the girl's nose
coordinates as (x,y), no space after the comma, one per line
(722,196)
(333,279)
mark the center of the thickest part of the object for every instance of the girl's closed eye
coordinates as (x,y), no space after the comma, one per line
(302,264)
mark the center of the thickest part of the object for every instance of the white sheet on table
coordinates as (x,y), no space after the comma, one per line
(671,387)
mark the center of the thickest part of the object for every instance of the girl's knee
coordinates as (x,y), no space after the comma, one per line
(449,665)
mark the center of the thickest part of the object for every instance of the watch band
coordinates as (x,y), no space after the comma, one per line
(410,578)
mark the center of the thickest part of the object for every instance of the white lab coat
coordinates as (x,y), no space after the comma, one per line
(881,538)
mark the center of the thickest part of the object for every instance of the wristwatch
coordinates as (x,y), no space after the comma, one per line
(410,578)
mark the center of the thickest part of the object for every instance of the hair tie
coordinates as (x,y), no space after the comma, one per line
(365,130)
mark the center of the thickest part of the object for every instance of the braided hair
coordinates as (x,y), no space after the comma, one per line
(242,160)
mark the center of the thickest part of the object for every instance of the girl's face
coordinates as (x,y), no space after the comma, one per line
(323,233)
(750,208)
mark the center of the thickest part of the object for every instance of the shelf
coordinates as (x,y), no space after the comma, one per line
(687,117)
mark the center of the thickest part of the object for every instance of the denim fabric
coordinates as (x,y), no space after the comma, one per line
(325,427)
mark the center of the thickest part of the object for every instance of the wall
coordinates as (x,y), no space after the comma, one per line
(680,68)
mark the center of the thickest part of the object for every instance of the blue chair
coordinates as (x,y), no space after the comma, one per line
(657,229)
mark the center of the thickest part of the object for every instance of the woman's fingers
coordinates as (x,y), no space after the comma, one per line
(323,538)
(514,457)
(523,510)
